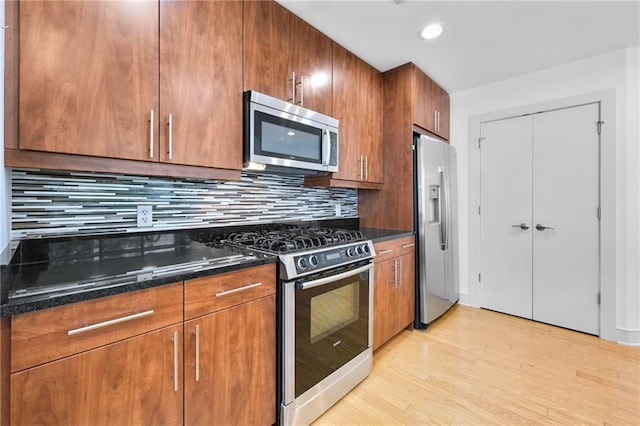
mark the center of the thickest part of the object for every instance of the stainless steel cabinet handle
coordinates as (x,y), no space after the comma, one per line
(408,245)
(293,88)
(175,361)
(170,123)
(235,290)
(541,227)
(366,167)
(438,121)
(302,90)
(361,167)
(393,280)
(151,120)
(435,120)
(385,252)
(524,226)
(110,322)
(396,264)
(197,333)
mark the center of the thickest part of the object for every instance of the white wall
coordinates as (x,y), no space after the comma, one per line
(618,70)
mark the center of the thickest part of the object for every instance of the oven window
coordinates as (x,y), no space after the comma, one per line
(278,137)
(331,328)
(333,310)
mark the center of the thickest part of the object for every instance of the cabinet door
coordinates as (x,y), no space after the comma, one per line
(230,366)
(372,123)
(442,106)
(201,83)
(311,60)
(349,109)
(405,289)
(89,77)
(357,103)
(424,113)
(383,303)
(268,35)
(129,382)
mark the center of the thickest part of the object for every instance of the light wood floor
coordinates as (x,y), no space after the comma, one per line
(478,367)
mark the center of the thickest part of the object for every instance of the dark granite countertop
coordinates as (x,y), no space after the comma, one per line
(378,234)
(49,272)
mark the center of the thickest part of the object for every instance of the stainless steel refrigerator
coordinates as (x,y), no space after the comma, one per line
(436,226)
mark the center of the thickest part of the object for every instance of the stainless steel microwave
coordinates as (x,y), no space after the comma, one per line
(283,137)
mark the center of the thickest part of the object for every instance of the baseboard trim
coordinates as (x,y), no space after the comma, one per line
(628,337)
(464,300)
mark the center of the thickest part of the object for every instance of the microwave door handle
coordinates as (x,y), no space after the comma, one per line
(326,141)
(333,278)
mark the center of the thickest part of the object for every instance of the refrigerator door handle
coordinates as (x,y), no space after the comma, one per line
(443,208)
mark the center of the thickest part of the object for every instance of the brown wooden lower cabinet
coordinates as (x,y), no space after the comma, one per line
(394,289)
(128,382)
(218,367)
(230,366)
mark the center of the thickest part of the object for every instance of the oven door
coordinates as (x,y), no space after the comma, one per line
(327,324)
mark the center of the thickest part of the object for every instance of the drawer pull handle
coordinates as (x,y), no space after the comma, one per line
(385,252)
(409,245)
(235,290)
(110,322)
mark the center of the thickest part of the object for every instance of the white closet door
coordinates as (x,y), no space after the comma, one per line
(566,198)
(505,191)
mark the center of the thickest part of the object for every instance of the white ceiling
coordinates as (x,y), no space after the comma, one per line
(483,41)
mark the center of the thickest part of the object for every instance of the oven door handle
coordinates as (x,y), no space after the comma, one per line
(332,278)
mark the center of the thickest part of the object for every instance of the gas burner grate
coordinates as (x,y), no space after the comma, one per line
(294,239)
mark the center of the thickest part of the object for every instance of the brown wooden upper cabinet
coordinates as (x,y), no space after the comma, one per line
(409,106)
(431,109)
(285,57)
(357,103)
(150,81)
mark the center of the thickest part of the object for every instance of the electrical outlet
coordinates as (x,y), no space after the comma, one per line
(338,210)
(145,216)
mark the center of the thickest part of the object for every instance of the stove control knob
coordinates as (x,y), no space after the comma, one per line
(359,251)
(302,263)
(313,260)
(365,248)
(350,252)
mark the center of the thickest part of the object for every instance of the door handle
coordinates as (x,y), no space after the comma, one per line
(541,227)
(524,226)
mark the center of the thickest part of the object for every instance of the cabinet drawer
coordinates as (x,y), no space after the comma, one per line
(43,336)
(210,294)
(406,245)
(385,250)
(391,248)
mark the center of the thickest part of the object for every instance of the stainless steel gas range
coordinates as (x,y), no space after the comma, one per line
(325,315)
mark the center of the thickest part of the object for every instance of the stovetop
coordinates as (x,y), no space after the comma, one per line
(306,250)
(294,239)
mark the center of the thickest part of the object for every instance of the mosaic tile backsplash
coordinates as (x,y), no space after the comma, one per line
(47,204)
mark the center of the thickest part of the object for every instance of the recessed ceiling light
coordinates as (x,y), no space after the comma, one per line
(431,31)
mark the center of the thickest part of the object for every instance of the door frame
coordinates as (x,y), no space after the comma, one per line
(607,100)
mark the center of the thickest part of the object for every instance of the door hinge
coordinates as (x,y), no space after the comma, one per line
(599,213)
(599,298)
(600,123)
(479,141)
(479,278)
